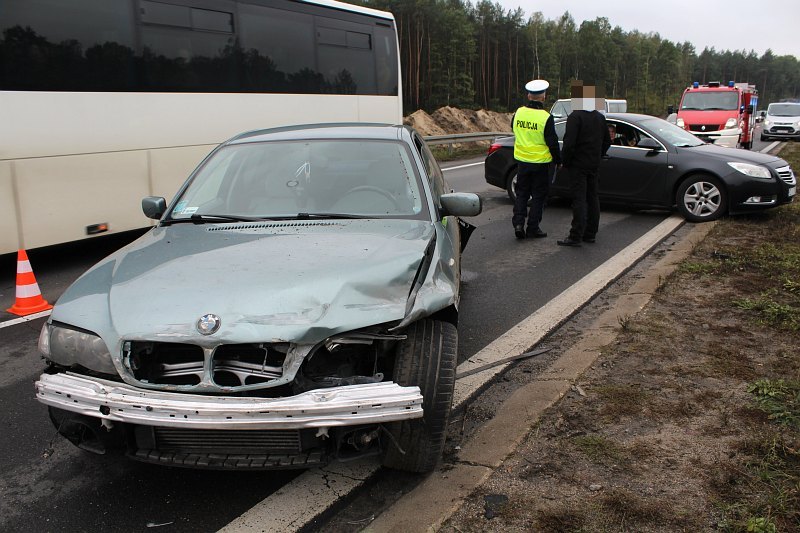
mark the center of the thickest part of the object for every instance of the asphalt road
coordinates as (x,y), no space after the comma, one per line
(49,485)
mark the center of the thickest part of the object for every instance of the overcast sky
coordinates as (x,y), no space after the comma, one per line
(725,25)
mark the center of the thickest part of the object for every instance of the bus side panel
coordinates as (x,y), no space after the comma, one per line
(60,196)
(380,109)
(170,167)
(9,236)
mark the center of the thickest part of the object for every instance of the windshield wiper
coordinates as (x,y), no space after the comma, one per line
(212,219)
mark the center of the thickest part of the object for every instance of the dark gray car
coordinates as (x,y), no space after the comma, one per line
(655,164)
(296,302)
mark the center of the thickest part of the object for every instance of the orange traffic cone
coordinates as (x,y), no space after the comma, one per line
(29,297)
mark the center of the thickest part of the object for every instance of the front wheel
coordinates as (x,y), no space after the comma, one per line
(764,137)
(427,359)
(701,198)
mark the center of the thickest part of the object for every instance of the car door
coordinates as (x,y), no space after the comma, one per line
(451,244)
(632,174)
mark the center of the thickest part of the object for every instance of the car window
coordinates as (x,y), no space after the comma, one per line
(624,134)
(369,178)
(671,133)
(435,174)
(561,127)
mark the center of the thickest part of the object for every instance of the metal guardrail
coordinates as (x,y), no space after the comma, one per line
(465,137)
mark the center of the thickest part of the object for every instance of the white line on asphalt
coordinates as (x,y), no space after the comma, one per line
(533,329)
(299,502)
(24,319)
(770,147)
(462,166)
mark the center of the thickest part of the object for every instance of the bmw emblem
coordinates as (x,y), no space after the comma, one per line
(209,324)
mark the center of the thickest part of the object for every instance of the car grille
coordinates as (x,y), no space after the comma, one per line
(229,449)
(179,440)
(786,175)
(229,365)
(704,127)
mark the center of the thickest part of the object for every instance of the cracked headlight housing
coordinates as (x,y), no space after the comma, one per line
(754,171)
(69,346)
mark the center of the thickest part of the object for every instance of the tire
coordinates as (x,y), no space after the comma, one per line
(511,182)
(764,137)
(426,358)
(702,198)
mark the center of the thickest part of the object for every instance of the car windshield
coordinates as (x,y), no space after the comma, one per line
(670,132)
(784,110)
(710,101)
(303,179)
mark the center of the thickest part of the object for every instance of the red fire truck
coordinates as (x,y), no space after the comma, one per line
(718,114)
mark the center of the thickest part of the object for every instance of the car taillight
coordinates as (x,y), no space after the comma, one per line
(493,148)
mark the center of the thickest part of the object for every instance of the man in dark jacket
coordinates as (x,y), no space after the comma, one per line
(586,141)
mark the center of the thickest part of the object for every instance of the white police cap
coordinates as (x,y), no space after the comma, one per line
(537,86)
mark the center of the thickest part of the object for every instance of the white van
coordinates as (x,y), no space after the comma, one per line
(563,107)
(782,120)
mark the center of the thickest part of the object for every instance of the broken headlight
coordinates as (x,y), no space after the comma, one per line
(69,347)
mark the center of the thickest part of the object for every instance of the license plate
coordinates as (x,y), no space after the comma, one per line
(792,191)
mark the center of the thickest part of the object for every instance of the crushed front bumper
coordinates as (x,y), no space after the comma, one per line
(372,403)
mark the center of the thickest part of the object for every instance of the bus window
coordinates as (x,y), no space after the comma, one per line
(278,45)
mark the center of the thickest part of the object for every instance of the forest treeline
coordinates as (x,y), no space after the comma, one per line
(480,56)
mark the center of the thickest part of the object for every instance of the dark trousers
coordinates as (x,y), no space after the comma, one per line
(533,181)
(585,203)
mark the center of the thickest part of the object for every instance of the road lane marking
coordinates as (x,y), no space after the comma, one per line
(24,319)
(298,503)
(462,166)
(770,147)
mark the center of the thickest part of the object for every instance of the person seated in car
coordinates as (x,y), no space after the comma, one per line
(616,140)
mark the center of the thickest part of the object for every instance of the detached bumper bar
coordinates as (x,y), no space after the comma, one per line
(337,406)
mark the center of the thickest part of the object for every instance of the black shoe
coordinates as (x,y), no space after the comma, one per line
(588,239)
(535,233)
(569,241)
(519,231)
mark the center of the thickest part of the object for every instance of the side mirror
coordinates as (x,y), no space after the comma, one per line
(154,206)
(670,109)
(461,204)
(649,143)
(763,114)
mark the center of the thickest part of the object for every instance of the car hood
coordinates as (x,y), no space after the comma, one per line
(733,154)
(296,281)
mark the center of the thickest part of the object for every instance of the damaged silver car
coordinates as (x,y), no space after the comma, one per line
(295,304)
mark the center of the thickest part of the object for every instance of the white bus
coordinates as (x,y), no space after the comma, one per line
(103,102)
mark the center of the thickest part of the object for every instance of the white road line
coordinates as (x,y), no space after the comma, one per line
(462,166)
(298,503)
(24,319)
(770,147)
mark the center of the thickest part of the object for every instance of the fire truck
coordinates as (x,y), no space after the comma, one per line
(719,114)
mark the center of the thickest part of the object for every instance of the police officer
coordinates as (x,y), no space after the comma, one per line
(535,149)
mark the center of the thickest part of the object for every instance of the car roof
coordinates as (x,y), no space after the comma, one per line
(341,130)
(630,117)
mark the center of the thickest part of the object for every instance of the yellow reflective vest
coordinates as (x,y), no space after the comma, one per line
(529,144)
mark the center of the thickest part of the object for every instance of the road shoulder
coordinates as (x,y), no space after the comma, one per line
(431,503)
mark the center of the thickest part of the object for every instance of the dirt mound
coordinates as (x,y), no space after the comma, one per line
(424,123)
(449,120)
